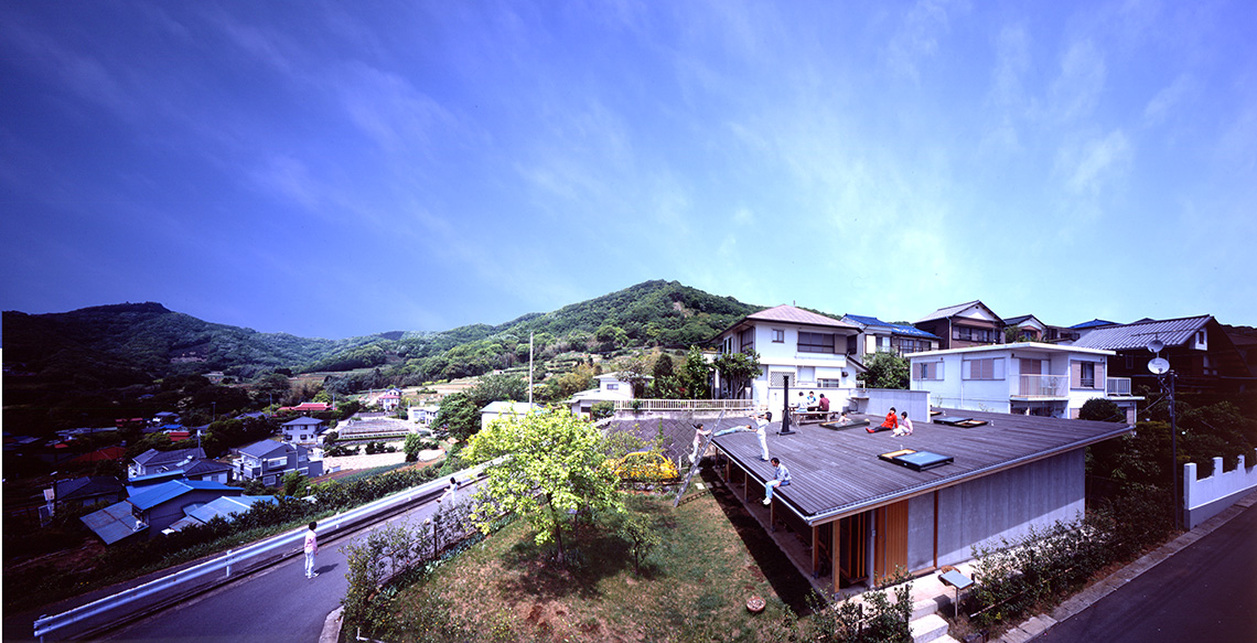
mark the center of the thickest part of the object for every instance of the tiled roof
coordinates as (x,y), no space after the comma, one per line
(901,329)
(792,315)
(1171,332)
(263,448)
(1092,324)
(943,313)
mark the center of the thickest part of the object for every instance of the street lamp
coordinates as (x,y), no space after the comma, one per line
(1160,367)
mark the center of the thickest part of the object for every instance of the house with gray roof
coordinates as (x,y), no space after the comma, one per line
(1199,350)
(969,324)
(226,507)
(797,348)
(154,461)
(268,461)
(862,505)
(306,431)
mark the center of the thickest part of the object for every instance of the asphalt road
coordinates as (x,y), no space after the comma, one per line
(1206,593)
(275,605)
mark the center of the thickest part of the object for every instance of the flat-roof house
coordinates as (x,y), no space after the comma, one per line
(610,389)
(969,324)
(809,349)
(268,461)
(1024,378)
(861,505)
(495,410)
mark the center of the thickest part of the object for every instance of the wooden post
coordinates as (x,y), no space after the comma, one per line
(835,554)
(816,552)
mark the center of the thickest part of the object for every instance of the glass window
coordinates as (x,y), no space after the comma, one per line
(1088,379)
(816,343)
(779,335)
(747,338)
(990,368)
(929,371)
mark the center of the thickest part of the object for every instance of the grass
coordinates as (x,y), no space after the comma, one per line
(692,587)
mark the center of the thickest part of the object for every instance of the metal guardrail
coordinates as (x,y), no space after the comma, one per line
(115,608)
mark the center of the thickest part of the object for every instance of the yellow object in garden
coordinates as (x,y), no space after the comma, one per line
(643,466)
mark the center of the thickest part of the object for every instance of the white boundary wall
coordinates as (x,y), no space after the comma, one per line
(1206,498)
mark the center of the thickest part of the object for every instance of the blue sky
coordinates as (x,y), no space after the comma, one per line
(331,169)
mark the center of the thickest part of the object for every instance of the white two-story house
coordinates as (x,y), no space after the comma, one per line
(1025,378)
(808,350)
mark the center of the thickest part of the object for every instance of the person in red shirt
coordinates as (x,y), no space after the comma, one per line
(891,422)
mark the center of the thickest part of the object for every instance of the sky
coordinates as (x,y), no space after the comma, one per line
(333,169)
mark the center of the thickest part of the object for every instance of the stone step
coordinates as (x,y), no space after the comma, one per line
(929,628)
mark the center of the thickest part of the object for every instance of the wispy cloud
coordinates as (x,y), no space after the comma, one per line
(1094,164)
(1076,90)
(918,36)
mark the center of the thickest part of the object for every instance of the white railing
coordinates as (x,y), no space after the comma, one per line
(1043,386)
(1119,386)
(684,405)
(117,607)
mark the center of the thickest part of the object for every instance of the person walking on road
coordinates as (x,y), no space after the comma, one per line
(311,549)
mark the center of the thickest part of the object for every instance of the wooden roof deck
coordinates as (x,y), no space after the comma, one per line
(837,473)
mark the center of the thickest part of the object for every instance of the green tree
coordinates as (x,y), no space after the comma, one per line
(1102,409)
(459,414)
(737,370)
(564,386)
(498,387)
(545,470)
(412,446)
(886,370)
(694,377)
(295,484)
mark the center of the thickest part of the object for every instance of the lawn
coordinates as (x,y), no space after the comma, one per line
(692,587)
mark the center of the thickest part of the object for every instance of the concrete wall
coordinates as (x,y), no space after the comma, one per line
(878,401)
(1206,498)
(1005,505)
(921,531)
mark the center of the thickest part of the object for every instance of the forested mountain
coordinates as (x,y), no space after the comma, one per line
(103,358)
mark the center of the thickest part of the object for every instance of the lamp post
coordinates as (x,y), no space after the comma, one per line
(1160,367)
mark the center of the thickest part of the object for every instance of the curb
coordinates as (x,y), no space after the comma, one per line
(1037,625)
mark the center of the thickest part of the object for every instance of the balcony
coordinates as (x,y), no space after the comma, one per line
(1043,386)
(1117,386)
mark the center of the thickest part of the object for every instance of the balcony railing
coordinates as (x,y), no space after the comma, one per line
(684,405)
(1118,386)
(1044,386)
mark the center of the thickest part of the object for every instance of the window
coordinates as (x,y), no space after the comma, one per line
(824,383)
(970,334)
(883,344)
(912,346)
(747,339)
(276,463)
(928,371)
(613,387)
(990,368)
(816,343)
(779,335)
(1088,377)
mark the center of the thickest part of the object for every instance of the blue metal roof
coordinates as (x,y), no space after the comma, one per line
(901,329)
(1093,323)
(165,491)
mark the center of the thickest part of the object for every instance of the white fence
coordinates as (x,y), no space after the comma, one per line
(1207,498)
(110,610)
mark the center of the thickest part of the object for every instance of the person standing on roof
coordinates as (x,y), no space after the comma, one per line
(781,478)
(761,432)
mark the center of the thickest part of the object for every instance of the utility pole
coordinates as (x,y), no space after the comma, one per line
(530,370)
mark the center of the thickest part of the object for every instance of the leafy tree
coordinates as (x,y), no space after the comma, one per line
(1102,409)
(737,370)
(633,370)
(548,470)
(412,446)
(564,386)
(887,370)
(662,367)
(459,414)
(602,409)
(295,484)
(498,387)
(694,378)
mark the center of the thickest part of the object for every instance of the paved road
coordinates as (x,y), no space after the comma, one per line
(1206,593)
(275,605)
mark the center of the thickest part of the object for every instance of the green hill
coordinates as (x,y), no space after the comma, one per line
(94,359)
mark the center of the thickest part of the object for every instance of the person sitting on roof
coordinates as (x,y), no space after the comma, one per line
(811,400)
(891,422)
(781,478)
(905,425)
(824,404)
